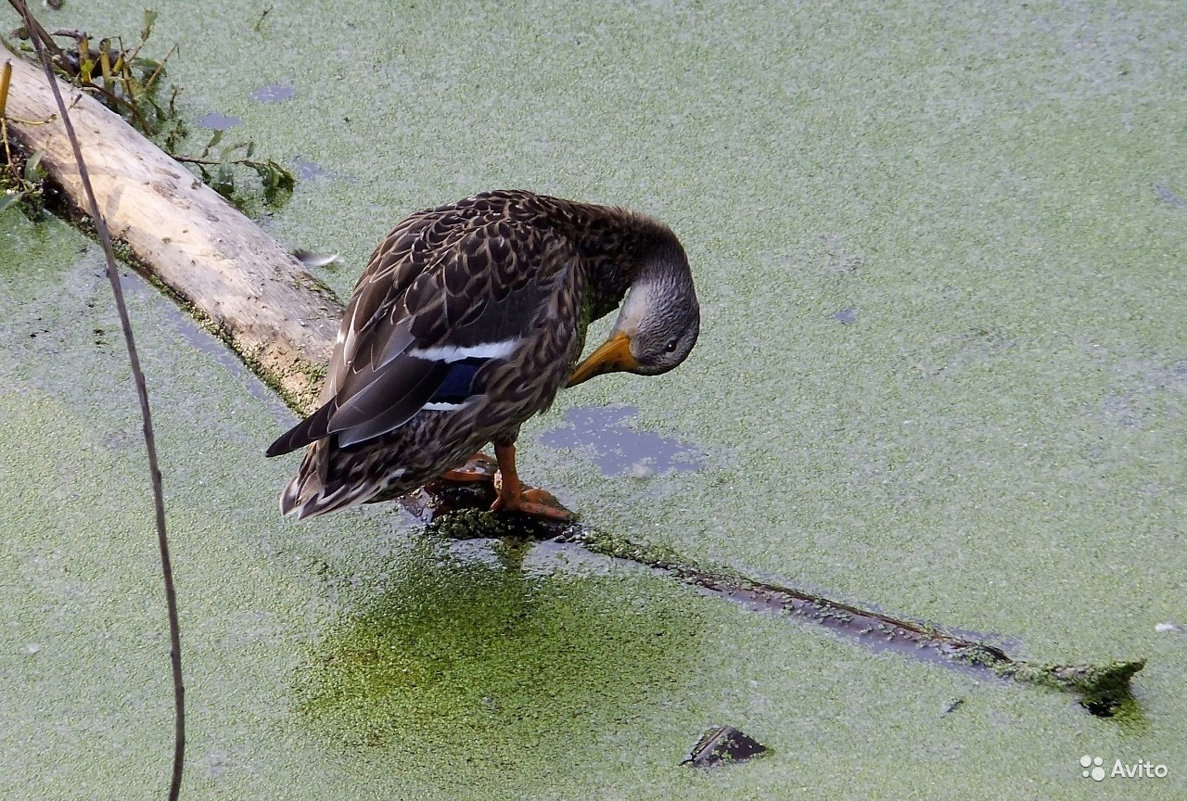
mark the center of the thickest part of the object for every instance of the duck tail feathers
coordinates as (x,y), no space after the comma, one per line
(310,494)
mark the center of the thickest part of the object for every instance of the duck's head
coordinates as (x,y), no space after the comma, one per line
(657,325)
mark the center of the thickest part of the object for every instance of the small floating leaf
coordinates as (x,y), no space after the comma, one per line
(33,172)
(276,179)
(224,181)
(215,138)
(147,68)
(150,19)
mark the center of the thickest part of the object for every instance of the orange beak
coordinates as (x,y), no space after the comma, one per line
(612,355)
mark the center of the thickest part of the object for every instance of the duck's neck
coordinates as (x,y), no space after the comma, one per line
(621,248)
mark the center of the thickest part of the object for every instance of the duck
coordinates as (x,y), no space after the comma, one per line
(467,320)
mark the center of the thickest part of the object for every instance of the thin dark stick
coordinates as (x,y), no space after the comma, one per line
(36,33)
(145,412)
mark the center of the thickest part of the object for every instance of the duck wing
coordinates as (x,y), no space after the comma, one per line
(447,291)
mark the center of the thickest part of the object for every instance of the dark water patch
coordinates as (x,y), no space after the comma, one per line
(846,316)
(619,448)
(273,93)
(308,170)
(1147,392)
(1168,195)
(218,122)
(951,356)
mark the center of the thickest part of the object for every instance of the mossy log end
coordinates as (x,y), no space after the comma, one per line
(184,235)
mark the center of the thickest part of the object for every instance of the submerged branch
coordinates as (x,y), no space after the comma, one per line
(458,511)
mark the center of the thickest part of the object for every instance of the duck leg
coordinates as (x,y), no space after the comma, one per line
(513,496)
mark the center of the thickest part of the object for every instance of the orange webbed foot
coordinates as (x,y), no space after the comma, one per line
(514,497)
(532,501)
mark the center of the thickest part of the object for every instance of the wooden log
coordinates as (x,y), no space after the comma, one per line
(270,310)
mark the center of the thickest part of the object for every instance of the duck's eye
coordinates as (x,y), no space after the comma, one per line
(671,346)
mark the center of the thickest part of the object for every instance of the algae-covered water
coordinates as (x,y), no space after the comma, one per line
(942,373)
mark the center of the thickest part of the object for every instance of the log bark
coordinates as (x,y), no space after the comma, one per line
(277,317)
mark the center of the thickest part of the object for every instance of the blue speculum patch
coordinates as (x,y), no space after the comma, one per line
(458,383)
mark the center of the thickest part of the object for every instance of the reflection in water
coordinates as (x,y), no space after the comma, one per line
(463,652)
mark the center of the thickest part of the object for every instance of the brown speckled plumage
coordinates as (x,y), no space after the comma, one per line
(467,320)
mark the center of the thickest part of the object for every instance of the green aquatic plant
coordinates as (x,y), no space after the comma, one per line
(129,83)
